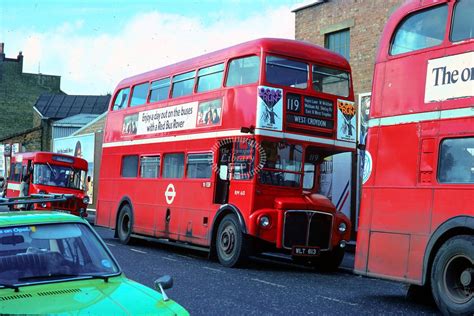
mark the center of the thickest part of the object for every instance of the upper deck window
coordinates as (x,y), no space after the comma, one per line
(243,71)
(121,99)
(210,78)
(420,30)
(287,72)
(463,21)
(160,90)
(139,94)
(183,84)
(330,80)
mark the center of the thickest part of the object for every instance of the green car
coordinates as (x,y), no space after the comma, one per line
(55,263)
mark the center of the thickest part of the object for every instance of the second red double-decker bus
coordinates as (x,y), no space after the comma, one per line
(417,210)
(223,151)
(50,173)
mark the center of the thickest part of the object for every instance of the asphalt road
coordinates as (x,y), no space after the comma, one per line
(264,287)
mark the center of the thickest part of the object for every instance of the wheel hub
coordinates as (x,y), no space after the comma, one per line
(467,277)
(228,240)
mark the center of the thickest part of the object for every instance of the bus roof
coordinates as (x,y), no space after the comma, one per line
(293,48)
(43,156)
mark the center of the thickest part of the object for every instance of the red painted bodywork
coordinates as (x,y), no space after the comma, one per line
(74,206)
(402,203)
(193,212)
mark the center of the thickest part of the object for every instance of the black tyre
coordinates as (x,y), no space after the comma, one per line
(231,244)
(452,276)
(124,224)
(329,261)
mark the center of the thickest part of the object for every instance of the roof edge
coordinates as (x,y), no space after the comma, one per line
(306,4)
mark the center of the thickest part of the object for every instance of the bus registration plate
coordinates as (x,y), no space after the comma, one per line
(305,251)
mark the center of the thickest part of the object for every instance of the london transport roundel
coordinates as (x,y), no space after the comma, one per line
(367,167)
(170,193)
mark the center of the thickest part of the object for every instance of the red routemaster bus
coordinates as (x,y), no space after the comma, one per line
(50,173)
(222,151)
(417,210)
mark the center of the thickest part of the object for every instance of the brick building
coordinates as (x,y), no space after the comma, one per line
(349,27)
(19,92)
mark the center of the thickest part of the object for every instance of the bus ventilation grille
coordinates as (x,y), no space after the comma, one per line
(307,228)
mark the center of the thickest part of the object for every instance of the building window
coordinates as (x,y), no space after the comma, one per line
(338,42)
(129,166)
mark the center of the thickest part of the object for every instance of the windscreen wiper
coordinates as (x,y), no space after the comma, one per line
(10,286)
(65,275)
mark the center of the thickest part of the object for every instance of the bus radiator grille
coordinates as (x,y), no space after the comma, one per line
(307,228)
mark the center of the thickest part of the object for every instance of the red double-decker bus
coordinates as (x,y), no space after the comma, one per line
(417,212)
(222,151)
(50,173)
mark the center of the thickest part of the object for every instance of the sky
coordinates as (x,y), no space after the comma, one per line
(93,44)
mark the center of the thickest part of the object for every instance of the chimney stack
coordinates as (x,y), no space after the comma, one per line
(2,52)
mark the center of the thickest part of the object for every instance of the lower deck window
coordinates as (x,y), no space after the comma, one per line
(456,160)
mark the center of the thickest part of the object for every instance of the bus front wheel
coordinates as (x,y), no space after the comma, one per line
(329,261)
(452,276)
(124,224)
(231,244)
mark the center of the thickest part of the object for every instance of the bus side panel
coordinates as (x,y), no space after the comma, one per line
(388,254)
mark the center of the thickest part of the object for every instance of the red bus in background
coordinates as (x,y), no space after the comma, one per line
(223,151)
(417,211)
(51,173)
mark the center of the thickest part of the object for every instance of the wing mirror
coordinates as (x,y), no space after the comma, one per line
(163,283)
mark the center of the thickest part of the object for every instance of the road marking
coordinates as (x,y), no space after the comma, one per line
(111,245)
(139,251)
(268,283)
(213,269)
(336,300)
(182,256)
(168,258)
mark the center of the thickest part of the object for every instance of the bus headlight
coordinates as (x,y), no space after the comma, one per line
(264,221)
(86,200)
(342,227)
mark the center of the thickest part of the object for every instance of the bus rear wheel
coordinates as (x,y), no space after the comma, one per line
(452,276)
(124,224)
(231,244)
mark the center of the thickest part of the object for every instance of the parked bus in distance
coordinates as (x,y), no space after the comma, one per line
(416,220)
(50,173)
(222,151)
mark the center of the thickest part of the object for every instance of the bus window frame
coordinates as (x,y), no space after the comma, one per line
(309,65)
(424,49)
(197,153)
(227,70)
(148,99)
(196,83)
(173,83)
(158,175)
(162,167)
(126,106)
(452,16)
(132,89)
